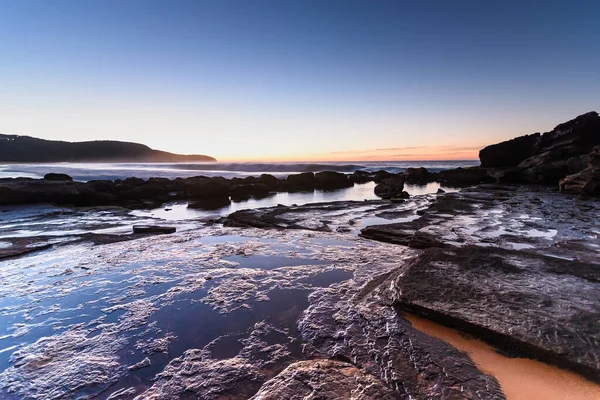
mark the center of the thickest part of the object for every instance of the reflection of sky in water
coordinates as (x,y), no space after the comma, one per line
(179,211)
(95,291)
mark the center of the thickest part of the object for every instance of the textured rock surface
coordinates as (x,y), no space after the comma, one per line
(587,181)
(519,266)
(354,321)
(549,157)
(326,380)
(390,188)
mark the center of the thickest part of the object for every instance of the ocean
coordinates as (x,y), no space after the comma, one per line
(111,171)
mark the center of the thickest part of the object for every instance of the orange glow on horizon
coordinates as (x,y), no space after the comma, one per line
(416,153)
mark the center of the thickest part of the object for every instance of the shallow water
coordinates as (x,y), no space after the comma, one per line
(84,321)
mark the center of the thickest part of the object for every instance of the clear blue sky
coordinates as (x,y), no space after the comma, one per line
(301,79)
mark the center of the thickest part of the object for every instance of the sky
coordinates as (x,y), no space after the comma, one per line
(291,80)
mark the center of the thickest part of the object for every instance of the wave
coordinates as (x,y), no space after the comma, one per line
(89,171)
(267,167)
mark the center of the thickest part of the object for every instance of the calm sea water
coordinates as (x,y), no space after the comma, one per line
(90,171)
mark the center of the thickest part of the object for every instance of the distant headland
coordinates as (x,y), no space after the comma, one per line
(27,149)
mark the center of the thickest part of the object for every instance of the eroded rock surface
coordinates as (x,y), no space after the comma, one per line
(545,158)
(519,266)
(326,380)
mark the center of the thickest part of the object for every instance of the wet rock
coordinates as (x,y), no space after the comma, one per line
(390,188)
(102,186)
(207,188)
(518,254)
(382,175)
(588,180)
(466,176)
(324,217)
(300,182)
(324,379)
(32,191)
(142,364)
(21,246)
(329,180)
(57,177)
(417,175)
(539,306)
(270,181)
(244,192)
(353,322)
(360,177)
(153,229)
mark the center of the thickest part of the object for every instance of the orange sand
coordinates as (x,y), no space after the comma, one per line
(520,378)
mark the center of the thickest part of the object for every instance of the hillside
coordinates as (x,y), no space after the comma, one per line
(15,148)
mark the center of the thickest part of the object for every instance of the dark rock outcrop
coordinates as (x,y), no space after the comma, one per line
(244,192)
(57,177)
(300,182)
(545,158)
(588,180)
(153,229)
(513,265)
(465,176)
(390,188)
(329,180)
(269,180)
(417,175)
(510,153)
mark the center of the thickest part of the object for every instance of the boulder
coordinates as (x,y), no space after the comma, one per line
(300,182)
(104,186)
(244,192)
(380,175)
(360,177)
(57,177)
(417,175)
(207,188)
(269,180)
(133,182)
(390,188)
(329,180)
